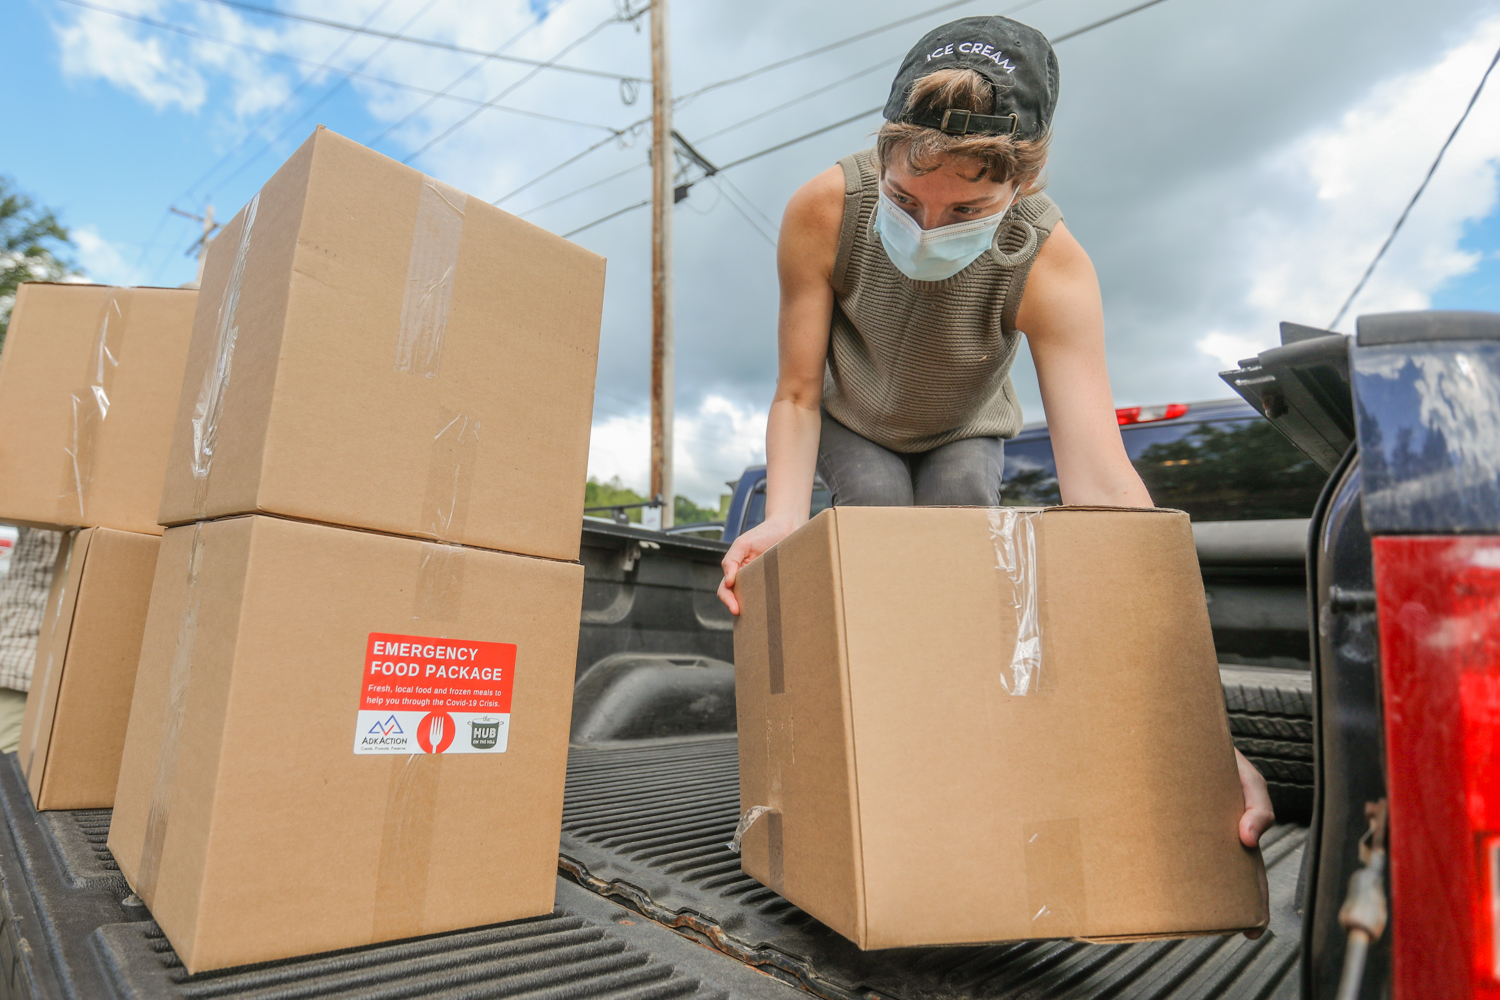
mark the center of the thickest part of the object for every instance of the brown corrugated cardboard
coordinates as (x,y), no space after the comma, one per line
(87,652)
(89,382)
(267,808)
(903,740)
(375,349)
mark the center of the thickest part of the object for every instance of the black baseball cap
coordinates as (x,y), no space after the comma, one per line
(1015,58)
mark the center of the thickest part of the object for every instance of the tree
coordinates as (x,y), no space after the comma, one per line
(30,239)
(597,494)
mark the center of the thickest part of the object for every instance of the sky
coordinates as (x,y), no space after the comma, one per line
(1226,164)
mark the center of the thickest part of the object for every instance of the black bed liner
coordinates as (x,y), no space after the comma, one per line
(649,822)
(70,933)
(643,850)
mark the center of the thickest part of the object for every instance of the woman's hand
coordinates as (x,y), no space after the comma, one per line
(1258,815)
(1256,820)
(745,548)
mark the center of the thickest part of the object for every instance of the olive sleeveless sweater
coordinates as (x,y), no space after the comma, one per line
(913,365)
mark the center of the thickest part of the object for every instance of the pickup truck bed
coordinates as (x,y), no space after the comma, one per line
(651,903)
(643,850)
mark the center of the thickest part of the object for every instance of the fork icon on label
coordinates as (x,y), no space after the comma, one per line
(435,732)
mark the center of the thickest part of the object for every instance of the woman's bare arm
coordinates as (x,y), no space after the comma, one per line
(804,260)
(1063,318)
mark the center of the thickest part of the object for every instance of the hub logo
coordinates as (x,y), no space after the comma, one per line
(390,727)
(484,733)
(435,732)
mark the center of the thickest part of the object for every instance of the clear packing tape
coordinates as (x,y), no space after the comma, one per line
(91,405)
(429,278)
(178,680)
(1013,531)
(406,846)
(209,408)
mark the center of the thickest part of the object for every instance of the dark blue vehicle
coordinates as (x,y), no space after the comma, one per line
(1217,460)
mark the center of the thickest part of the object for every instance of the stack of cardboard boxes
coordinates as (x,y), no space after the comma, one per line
(88,388)
(349,718)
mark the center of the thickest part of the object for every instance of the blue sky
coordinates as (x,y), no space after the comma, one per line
(1480,288)
(1227,165)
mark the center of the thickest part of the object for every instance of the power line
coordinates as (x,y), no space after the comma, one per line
(570,160)
(1420,188)
(287,57)
(746,199)
(327,96)
(800,98)
(306,81)
(265,119)
(587,187)
(802,138)
(1101,23)
(842,42)
(612,19)
(427,42)
(713,135)
(718,182)
(854,118)
(447,89)
(630,208)
(743,159)
(755,72)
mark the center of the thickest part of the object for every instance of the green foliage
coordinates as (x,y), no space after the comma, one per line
(684,511)
(597,494)
(1232,471)
(30,238)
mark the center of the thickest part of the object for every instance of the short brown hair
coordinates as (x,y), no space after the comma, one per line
(1000,157)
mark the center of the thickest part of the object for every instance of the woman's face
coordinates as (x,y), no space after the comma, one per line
(951,193)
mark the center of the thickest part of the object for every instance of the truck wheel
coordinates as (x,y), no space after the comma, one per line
(1270,719)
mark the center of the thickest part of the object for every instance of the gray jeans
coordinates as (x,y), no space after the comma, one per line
(861,473)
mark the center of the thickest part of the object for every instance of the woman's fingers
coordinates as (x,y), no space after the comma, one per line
(1256,820)
(736,557)
(728,597)
(1258,815)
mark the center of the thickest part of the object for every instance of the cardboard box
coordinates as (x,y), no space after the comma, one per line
(931,783)
(89,382)
(377,350)
(274,801)
(90,643)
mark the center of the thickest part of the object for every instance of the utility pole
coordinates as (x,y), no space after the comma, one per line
(200,246)
(662,163)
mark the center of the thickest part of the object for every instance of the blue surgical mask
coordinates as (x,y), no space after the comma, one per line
(933,254)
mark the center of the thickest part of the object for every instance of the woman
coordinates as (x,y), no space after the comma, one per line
(908,275)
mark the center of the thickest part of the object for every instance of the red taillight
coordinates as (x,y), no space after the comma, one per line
(1146,414)
(1438,600)
(1489,860)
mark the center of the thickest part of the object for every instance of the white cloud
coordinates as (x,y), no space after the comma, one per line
(713,446)
(1361,173)
(101,260)
(1283,140)
(1229,349)
(112,49)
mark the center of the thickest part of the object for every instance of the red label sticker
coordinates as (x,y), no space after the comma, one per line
(436,695)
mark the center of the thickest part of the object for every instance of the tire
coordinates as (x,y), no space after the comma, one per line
(1270,719)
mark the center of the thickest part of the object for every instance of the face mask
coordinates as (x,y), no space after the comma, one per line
(933,254)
